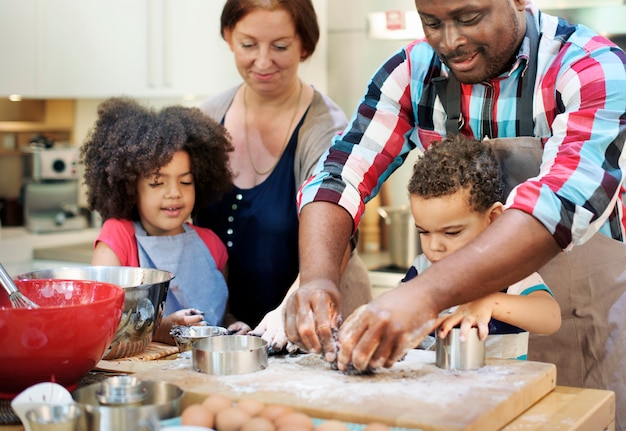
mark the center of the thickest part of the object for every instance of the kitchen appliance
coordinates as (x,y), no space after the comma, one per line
(404,243)
(50,189)
(53,163)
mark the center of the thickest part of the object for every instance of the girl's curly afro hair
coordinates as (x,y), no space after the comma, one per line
(458,163)
(130,141)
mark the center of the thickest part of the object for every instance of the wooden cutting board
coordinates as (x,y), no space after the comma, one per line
(414,393)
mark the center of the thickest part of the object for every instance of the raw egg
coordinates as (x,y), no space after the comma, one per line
(197,415)
(231,419)
(258,424)
(216,403)
(251,406)
(294,420)
(375,426)
(274,411)
(332,425)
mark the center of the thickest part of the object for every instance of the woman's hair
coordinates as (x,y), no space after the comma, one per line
(458,163)
(130,141)
(301,11)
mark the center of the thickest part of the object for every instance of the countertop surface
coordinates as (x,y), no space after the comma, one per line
(18,246)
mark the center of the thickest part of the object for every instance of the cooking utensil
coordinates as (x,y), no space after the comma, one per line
(404,243)
(161,401)
(145,292)
(38,395)
(454,354)
(229,354)
(18,300)
(185,336)
(50,417)
(62,339)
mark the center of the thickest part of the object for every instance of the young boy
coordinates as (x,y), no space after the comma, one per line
(455,193)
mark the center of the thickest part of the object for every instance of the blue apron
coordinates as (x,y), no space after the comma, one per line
(197,282)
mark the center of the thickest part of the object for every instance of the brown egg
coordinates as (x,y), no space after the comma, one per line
(295,419)
(274,411)
(216,403)
(332,425)
(375,426)
(251,406)
(294,427)
(197,415)
(258,424)
(231,419)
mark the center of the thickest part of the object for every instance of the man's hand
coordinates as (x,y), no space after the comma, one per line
(378,334)
(312,315)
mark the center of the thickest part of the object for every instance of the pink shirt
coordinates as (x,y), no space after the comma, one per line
(120,236)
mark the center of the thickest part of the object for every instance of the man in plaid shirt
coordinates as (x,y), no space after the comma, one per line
(551,98)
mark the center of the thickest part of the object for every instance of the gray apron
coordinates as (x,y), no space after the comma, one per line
(588,282)
(197,283)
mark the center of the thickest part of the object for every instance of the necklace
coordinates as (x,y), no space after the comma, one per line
(245,119)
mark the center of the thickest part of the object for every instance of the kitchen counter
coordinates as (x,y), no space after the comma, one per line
(78,253)
(563,409)
(532,402)
(18,248)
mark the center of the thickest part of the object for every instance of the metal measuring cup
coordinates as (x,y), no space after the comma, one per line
(54,417)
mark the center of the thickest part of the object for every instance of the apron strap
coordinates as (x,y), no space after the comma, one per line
(526,125)
(449,90)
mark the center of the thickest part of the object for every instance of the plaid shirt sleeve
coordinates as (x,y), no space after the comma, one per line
(580,105)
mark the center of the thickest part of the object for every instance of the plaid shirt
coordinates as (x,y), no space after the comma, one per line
(579,111)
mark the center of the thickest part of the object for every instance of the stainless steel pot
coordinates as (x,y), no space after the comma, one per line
(404,243)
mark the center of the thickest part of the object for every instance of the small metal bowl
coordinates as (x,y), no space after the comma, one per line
(121,390)
(231,354)
(452,354)
(162,400)
(185,336)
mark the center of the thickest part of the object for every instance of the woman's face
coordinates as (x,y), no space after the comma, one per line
(476,39)
(447,223)
(166,198)
(267,50)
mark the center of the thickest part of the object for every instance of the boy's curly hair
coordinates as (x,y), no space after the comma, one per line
(457,163)
(130,141)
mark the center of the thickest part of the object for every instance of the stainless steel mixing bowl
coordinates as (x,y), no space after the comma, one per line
(145,292)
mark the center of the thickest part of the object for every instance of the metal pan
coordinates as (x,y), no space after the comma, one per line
(229,354)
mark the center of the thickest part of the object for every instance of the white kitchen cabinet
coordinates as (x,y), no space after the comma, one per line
(138,48)
(18,34)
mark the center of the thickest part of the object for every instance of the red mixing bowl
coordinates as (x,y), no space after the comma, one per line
(60,341)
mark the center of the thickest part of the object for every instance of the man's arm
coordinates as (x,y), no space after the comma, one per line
(313,309)
(514,246)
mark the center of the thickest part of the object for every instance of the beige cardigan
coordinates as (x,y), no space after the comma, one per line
(324,119)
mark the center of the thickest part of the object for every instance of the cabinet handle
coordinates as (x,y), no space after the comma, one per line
(167,45)
(152,42)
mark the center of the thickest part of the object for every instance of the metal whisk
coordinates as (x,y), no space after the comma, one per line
(18,300)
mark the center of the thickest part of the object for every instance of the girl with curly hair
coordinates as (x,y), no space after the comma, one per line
(147,172)
(456,191)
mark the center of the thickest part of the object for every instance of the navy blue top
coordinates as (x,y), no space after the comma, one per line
(260,229)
